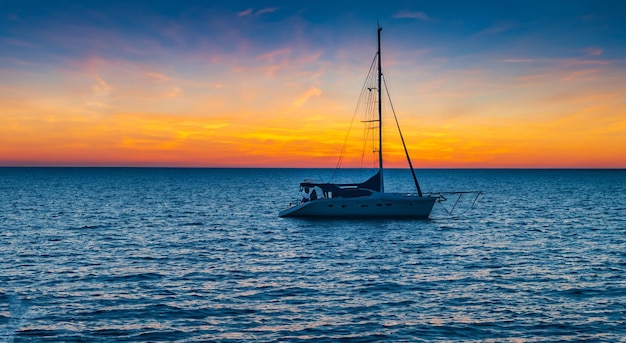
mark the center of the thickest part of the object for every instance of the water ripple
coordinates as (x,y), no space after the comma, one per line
(192,255)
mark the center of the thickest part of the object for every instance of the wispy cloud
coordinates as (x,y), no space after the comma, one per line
(273,54)
(18,42)
(267,10)
(173,93)
(593,51)
(578,74)
(245,13)
(101,88)
(518,60)
(157,76)
(251,11)
(562,62)
(413,15)
(304,97)
(498,27)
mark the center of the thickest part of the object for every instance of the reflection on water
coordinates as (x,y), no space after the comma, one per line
(193,255)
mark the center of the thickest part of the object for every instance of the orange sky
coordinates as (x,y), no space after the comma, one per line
(290,104)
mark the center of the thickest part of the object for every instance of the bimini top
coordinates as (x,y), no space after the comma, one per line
(348,190)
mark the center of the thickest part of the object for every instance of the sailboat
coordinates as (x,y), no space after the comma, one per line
(367,199)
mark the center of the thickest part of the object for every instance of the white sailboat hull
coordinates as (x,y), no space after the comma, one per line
(365,199)
(378,205)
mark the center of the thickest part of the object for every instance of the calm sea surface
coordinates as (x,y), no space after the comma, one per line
(186,255)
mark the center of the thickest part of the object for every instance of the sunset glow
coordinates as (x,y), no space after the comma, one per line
(197,84)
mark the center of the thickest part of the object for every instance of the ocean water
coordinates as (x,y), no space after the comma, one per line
(194,255)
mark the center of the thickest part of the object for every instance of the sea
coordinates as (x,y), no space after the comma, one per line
(200,255)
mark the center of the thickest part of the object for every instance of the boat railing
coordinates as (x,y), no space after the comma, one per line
(443,196)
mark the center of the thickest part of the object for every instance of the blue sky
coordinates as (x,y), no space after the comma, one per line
(523,29)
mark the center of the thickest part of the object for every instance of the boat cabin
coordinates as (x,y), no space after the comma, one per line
(313,190)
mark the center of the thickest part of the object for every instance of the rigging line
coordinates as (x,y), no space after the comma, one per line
(456,202)
(476,198)
(450,212)
(364,143)
(345,141)
(406,151)
(368,123)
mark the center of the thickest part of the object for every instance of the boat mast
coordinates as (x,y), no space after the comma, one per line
(380,116)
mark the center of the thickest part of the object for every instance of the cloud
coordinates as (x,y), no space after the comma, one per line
(18,42)
(296,61)
(557,62)
(518,60)
(304,97)
(593,51)
(101,88)
(245,13)
(174,92)
(578,74)
(273,54)
(157,76)
(250,11)
(499,27)
(267,10)
(413,15)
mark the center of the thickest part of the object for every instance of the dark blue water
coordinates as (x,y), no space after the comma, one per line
(186,255)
